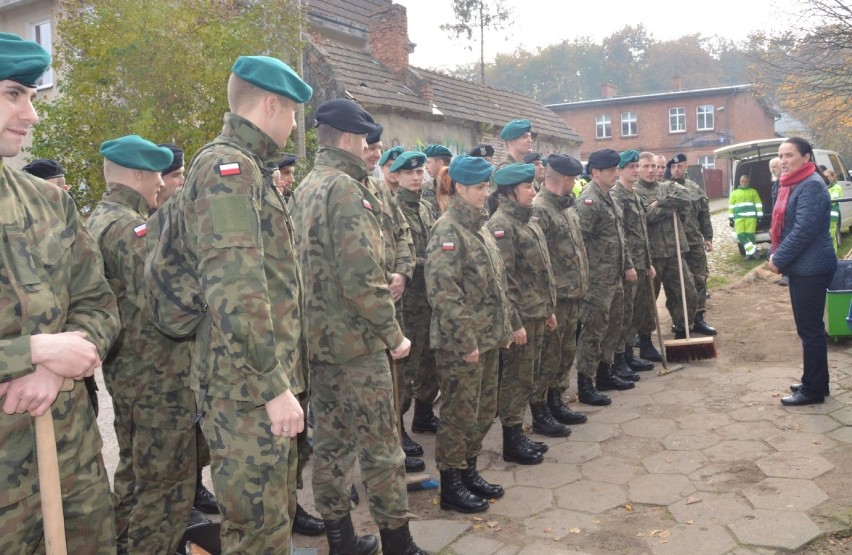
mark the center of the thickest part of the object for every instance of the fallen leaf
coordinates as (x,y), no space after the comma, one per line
(491,523)
(575,530)
(628,506)
(478,527)
(776,395)
(693,499)
(436,501)
(478,519)
(665,534)
(548,530)
(596,521)
(492,500)
(640,535)
(497,529)
(663,541)
(690,522)
(655,532)
(557,538)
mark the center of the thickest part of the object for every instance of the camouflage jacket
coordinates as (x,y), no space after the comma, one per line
(558,219)
(399,248)
(429,196)
(635,226)
(142,361)
(420,220)
(466,284)
(506,161)
(523,247)
(660,225)
(250,346)
(51,281)
(350,311)
(603,234)
(696,218)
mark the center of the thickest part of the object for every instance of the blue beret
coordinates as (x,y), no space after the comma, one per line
(345,115)
(273,75)
(436,150)
(44,168)
(376,135)
(564,164)
(288,160)
(531,157)
(482,150)
(627,157)
(132,151)
(603,159)
(22,61)
(514,174)
(515,129)
(390,155)
(470,170)
(676,159)
(410,160)
(177,160)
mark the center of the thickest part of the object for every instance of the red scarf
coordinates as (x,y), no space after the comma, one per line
(788,183)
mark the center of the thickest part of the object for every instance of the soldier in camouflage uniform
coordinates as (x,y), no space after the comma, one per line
(601,310)
(557,217)
(59,318)
(466,285)
(385,162)
(517,135)
(699,237)
(532,295)
(350,324)
(438,157)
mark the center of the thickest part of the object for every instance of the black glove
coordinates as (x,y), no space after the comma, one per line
(731,222)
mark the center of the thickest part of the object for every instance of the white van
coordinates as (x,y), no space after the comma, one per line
(752,159)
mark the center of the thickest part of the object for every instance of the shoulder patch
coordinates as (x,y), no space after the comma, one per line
(588,202)
(366,204)
(499,234)
(141,230)
(448,246)
(229,169)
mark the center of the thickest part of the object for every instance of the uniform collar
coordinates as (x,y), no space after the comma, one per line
(466,214)
(561,201)
(241,131)
(348,163)
(125,196)
(407,196)
(515,210)
(646,184)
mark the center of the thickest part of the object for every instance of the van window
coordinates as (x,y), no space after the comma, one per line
(839,167)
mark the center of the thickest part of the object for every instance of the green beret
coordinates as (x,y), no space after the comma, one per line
(134,152)
(273,75)
(515,129)
(410,160)
(390,154)
(470,170)
(628,157)
(436,150)
(22,61)
(514,174)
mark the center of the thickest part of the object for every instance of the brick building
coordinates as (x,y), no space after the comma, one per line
(695,122)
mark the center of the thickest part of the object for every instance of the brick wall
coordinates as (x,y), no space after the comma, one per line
(389,38)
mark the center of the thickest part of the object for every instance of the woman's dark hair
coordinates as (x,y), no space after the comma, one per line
(803,146)
(494,200)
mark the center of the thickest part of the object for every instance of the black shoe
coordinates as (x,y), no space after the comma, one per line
(414,465)
(411,447)
(797,386)
(204,500)
(477,484)
(515,449)
(620,369)
(647,349)
(398,541)
(560,412)
(784,281)
(545,424)
(343,541)
(588,393)
(679,333)
(799,398)
(605,380)
(636,364)
(455,496)
(424,420)
(353,495)
(203,532)
(700,326)
(306,524)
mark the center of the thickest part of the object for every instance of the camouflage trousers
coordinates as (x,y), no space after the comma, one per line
(557,354)
(521,365)
(469,406)
(354,414)
(696,260)
(202,452)
(417,370)
(86,505)
(644,321)
(628,329)
(601,313)
(669,279)
(254,475)
(154,483)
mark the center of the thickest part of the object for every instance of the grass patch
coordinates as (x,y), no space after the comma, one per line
(717,281)
(739,264)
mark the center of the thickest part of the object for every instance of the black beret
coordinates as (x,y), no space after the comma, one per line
(44,168)
(177,160)
(345,115)
(676,159)
(376,135)
(288,160)
(531,157)
(482,151)
(603,159)
(564,164)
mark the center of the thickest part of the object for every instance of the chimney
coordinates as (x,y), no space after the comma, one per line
(608,90)
(676,83)
(389,38)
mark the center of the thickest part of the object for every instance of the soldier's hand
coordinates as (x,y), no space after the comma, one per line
(401,350)
(397,286)
(630,275)
(551,322)
(68,354)
(519,337)
(286,418)
(33,393)
(652,272)
(708,246)
(473,357)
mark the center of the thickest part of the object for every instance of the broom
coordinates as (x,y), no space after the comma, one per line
(683,350)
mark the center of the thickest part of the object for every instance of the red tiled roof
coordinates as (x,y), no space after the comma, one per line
(354,11)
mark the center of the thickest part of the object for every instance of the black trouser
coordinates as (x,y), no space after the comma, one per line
(807,294)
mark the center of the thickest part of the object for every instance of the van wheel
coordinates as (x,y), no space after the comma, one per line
(741,249)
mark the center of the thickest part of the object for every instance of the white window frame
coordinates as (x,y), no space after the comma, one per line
(677,116)
(707,162)
(631,119)
(704,115)
(603,126)
(45,39)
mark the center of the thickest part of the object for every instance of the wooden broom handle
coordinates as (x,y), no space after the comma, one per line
(680,273)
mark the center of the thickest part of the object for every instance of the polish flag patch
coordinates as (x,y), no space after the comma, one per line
(587,202)
(448,246)
(141,230)
(229,169)
(366,204)
(499,234)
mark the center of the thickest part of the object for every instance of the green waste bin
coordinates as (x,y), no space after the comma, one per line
(838,299)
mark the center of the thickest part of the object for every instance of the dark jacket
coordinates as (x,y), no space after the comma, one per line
(806,248)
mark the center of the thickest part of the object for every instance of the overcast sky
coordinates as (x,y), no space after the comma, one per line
(538,23)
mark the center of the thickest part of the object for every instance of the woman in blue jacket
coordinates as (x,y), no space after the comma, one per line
(802,250)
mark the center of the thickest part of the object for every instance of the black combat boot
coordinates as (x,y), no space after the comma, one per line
(204,500)
(414,465)
(647,349)
(411,447)
(588,393)
(516,449)
(306,524)
(537,446)
(605,380)
(620,369)
(343,541)
(679,332)
(545,424)
(636,364)
(561,412)
(424,420)
(477,484)
(398,541)
(702,327)
(456,497)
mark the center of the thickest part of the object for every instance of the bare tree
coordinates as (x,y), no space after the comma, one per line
(481,14)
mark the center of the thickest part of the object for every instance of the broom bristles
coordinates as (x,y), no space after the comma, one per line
(687,350)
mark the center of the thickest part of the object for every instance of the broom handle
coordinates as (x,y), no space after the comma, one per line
(396,396)
(680,273)
(657,319)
